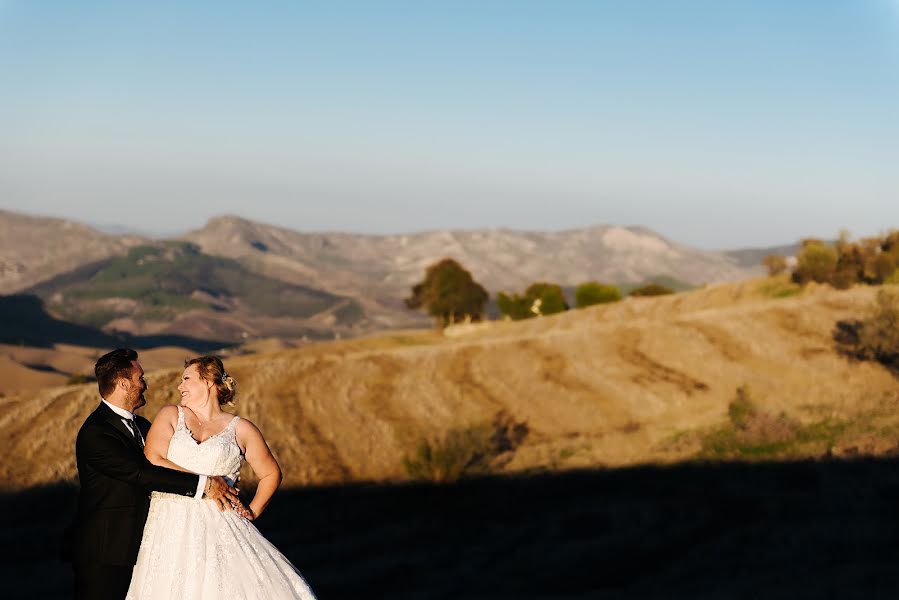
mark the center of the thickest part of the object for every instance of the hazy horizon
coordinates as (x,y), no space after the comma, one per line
(718,126)
(119,229)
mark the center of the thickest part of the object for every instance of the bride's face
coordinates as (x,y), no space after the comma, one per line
(194,389)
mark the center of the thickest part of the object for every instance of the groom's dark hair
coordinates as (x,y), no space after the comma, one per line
(113,366)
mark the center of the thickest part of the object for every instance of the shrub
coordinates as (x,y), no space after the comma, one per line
(876,337)
(446,459)
(741,410)
(870,260)
(780,288)
(816,261)
(879,335)
(775,263)
(750,432)
(467,451)
(884,266)
(652,289)
(592,292)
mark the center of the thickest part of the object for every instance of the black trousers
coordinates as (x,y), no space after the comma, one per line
(101,582)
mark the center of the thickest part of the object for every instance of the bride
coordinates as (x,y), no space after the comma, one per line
(191,549)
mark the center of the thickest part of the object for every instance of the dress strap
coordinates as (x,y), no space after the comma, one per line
(180,418)
(230,429)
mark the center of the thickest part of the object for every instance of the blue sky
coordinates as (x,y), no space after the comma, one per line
(719,124)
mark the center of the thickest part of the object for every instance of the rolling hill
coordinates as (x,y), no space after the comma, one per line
(642,380)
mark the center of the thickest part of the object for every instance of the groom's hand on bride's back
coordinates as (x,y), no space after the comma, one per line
(224,495)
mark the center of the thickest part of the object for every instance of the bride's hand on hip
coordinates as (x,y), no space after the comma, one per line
(225,496)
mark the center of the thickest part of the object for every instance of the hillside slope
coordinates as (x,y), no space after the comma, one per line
(172,287)
(611,385)
(33,248)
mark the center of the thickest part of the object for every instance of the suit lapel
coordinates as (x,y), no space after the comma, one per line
(143,425)
(116,421)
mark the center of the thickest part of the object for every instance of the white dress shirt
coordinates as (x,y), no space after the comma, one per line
(128,420)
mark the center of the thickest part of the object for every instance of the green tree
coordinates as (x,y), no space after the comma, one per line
(515,306)
(449,293)
(551,297)
(539,299)
(593,292)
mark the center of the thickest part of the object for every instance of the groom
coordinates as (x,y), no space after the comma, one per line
(116,480)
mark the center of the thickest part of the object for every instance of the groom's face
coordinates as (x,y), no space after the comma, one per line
(137,387)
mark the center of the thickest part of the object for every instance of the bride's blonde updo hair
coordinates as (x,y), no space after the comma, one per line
(211,369)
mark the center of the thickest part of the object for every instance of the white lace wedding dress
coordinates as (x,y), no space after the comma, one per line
(193,551)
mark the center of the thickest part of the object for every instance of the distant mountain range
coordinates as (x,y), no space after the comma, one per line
(500,259)
(236,278)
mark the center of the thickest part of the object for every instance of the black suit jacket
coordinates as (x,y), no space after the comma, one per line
(116,480)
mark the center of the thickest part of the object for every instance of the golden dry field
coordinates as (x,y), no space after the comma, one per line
(638,381)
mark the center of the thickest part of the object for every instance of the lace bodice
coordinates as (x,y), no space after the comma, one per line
(216,455)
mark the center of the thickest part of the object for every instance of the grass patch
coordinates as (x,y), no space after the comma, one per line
(79,379)
(405,340)
(780,287)
(753,434)
(96,318)
(567,452)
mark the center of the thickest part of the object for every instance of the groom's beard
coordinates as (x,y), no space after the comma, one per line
(136,397)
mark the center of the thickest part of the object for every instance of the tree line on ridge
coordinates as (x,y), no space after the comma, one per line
(450,294)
